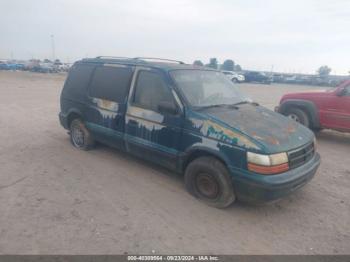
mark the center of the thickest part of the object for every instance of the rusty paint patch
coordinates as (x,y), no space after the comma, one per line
(291,129)
(256,136)
(272,140)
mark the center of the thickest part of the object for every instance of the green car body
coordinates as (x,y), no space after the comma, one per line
(173,132)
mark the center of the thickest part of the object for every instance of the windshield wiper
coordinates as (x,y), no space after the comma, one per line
(246,102)
(216,105)
(241,103)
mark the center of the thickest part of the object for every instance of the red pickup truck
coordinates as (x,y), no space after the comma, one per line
(319,109)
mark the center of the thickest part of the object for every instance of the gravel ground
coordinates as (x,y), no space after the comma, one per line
(55,199)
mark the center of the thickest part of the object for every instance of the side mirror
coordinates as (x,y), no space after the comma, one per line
(341,92)
(168,107)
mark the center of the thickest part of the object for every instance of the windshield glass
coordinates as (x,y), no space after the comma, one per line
(205,88)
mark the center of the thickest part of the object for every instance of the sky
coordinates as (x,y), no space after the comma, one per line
(295,36)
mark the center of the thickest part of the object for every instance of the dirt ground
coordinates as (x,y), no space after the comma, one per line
(55,199)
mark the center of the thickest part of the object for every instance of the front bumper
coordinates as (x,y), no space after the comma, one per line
(258,188)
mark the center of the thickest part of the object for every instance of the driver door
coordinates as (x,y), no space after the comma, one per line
(151,133)
(341,111)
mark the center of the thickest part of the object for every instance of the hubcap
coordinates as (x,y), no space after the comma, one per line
(294,117)
(77,136)
(207,186)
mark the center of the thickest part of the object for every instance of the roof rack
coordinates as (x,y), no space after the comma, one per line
(160,59)
(140,59)
(113,57)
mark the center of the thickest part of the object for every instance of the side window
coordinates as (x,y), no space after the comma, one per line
(150,90)
(111,83)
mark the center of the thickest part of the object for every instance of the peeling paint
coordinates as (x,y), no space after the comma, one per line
(107,108)
(145,114)
(106,104)
(227,135)
(146,126)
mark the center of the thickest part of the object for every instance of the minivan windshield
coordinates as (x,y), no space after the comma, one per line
(205,88)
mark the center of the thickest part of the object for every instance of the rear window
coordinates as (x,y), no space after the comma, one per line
(111,83)
(78,79)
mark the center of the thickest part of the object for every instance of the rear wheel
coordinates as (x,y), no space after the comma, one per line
(80,137)
(298,115)
(208,179)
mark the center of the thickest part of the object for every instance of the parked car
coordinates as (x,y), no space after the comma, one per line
(64,67)
(234,76)
(11,66)
(190,120)
(48,67)
(321,109)
(252,76)
(3,66)
(278,78)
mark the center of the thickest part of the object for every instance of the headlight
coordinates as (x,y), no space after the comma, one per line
(267,164)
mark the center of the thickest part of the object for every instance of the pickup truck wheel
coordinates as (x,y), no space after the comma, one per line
(316,130)
(234,80)
(299,116)
(79,136)
(207,178)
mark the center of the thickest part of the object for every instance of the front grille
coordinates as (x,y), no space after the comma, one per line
(300,156)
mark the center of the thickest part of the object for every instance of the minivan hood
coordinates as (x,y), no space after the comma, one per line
(268,130)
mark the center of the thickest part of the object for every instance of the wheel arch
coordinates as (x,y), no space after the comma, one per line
(197,152)
(307,106)
(73,114)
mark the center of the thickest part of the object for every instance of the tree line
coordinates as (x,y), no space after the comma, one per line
(227,65)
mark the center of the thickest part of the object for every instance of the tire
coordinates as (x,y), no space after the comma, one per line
(299,116)
(80,137)
(207,179)
(316,130)
(234,80)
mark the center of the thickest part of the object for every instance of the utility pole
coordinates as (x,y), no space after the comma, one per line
(53,47)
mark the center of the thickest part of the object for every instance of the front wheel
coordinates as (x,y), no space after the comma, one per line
(299,116)
(208,179)
(80,136)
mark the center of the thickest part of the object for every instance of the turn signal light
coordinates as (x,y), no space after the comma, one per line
(268,170)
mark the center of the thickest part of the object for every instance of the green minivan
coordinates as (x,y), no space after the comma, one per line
(192,120)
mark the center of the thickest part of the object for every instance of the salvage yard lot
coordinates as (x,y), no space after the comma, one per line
(55,199)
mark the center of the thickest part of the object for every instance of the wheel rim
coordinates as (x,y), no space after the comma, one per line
(77,136)
(294,117)
(207,186)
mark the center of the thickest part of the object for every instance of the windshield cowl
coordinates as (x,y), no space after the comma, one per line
(230,106)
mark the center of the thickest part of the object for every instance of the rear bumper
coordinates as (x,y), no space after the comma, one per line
(63,120)
(257,188)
